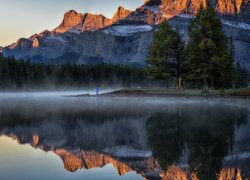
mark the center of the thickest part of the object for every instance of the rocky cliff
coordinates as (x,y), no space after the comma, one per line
(120,14)
(81,22)
(88,38)
(154,11)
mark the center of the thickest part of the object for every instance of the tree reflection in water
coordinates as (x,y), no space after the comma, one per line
(188,138)
(206,131)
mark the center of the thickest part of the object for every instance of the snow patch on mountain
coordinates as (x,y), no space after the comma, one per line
(154,9)
(127,152)
(240,156)
(56,38)
(187,16)
(75,31)
(240,25)
(13,45)
(127,30)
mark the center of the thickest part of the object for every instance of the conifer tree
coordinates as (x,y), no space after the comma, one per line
(207,51)
(165,55)
(240,77)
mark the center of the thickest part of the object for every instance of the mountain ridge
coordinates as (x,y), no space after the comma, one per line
(88,21)
(165,10)
(125,37)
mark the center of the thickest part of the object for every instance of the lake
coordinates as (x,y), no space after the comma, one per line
(49,136)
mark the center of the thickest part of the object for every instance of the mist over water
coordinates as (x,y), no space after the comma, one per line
(92,137)
(54,94)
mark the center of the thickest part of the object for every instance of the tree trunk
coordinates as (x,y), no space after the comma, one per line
(179,83)
(212,83)
(205,82)
(178,67)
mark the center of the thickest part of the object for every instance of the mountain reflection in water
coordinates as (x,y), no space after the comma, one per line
(169,139)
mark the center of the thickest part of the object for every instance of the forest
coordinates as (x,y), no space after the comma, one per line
(20,74)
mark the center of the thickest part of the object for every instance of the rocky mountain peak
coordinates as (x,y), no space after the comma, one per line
(88,21)
(121,9)
(23,43)
(90,159)
(120,14)
(71,19)
(71,162)
(94,22)
(174,7)
(152,12)
(45,33)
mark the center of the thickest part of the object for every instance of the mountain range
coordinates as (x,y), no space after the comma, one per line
(90,38)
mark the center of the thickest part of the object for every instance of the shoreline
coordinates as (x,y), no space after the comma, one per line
(239,93)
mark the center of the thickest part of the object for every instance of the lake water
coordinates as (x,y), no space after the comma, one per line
(48,136)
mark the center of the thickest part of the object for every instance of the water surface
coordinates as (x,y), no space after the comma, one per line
(53,137)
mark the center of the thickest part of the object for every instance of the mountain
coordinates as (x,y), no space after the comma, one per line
(89,38)
(1,50)
(81,22)
(154,11)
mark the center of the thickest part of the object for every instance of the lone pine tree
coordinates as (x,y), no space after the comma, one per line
(207,52)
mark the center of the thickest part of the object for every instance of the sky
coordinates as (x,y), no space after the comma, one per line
(23,18)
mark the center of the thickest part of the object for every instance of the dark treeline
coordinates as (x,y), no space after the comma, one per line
(25,75)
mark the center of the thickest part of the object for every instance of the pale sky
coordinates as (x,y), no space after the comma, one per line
(23,18)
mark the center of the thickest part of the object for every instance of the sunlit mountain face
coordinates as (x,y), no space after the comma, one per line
(85,38)
(170,139)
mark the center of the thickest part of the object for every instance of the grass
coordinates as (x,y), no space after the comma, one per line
(245,92)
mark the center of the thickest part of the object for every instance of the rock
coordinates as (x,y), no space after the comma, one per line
(87,21)
(35,43)
(120,14)
(71,19)
(71,162)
